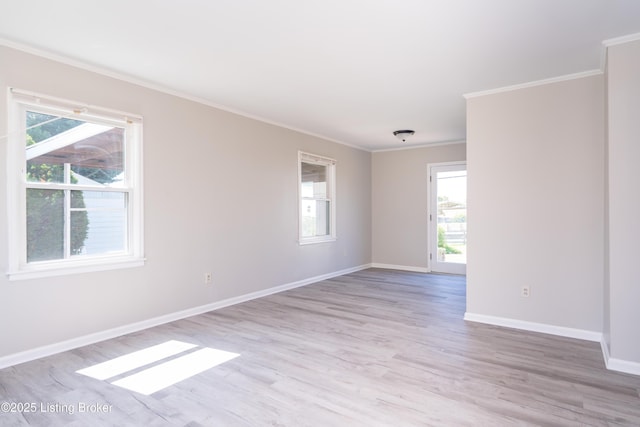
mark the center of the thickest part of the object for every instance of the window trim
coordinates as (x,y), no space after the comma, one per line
(18,269)
(331,196)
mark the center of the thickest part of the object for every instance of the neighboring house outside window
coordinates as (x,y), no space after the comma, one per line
(317,205)
(75,187)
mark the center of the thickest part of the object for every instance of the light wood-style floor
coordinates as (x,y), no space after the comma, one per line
(373,348)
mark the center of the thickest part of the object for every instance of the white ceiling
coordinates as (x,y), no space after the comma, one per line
(350,71)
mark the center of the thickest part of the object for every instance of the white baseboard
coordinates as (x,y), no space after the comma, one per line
(618,365)
(611,363)
(48,350)
(400,267)
(544,328)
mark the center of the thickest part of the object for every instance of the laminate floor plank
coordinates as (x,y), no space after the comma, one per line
(372,348)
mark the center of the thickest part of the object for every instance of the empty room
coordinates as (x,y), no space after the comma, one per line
(342,213)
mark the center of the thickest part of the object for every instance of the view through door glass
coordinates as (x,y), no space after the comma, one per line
(449,186)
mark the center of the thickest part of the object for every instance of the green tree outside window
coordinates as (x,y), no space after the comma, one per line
(45,208)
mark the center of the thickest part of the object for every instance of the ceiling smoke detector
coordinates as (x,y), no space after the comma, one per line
(402,135)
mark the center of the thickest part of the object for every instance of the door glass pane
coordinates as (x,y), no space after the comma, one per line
(452,216)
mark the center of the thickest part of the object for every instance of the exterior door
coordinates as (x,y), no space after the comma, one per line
(448,217)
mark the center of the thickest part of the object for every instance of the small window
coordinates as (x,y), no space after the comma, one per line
(317,199)
(75,185)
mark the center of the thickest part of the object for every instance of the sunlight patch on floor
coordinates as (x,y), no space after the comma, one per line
(158,377)
(137,359)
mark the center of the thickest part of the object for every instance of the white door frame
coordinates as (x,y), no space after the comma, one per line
(432,214)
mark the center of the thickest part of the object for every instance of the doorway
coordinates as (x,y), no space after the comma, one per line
(448,217)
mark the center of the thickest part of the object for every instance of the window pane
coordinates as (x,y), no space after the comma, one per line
(100,217)
(45,225)
(314,180)
(315,218)
(98,200)
(93,151)
(43,126)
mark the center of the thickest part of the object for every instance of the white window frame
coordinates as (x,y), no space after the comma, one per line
(331,197)
(133,256)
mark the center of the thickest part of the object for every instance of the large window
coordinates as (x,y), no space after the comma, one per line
(74,187)
(317,199)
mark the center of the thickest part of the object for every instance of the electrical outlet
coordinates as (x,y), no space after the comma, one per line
(208,278)
(525,292)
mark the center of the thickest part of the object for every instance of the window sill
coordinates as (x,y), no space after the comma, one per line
(315,240)
(74,267)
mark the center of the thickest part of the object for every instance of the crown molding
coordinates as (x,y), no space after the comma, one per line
(534,83)
(425,145)
(603,60)
(160,88)
(621,40)
(615,42)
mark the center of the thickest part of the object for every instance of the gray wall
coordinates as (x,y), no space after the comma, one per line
(536,203)
(400,180)
(622,280)
(220,195)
